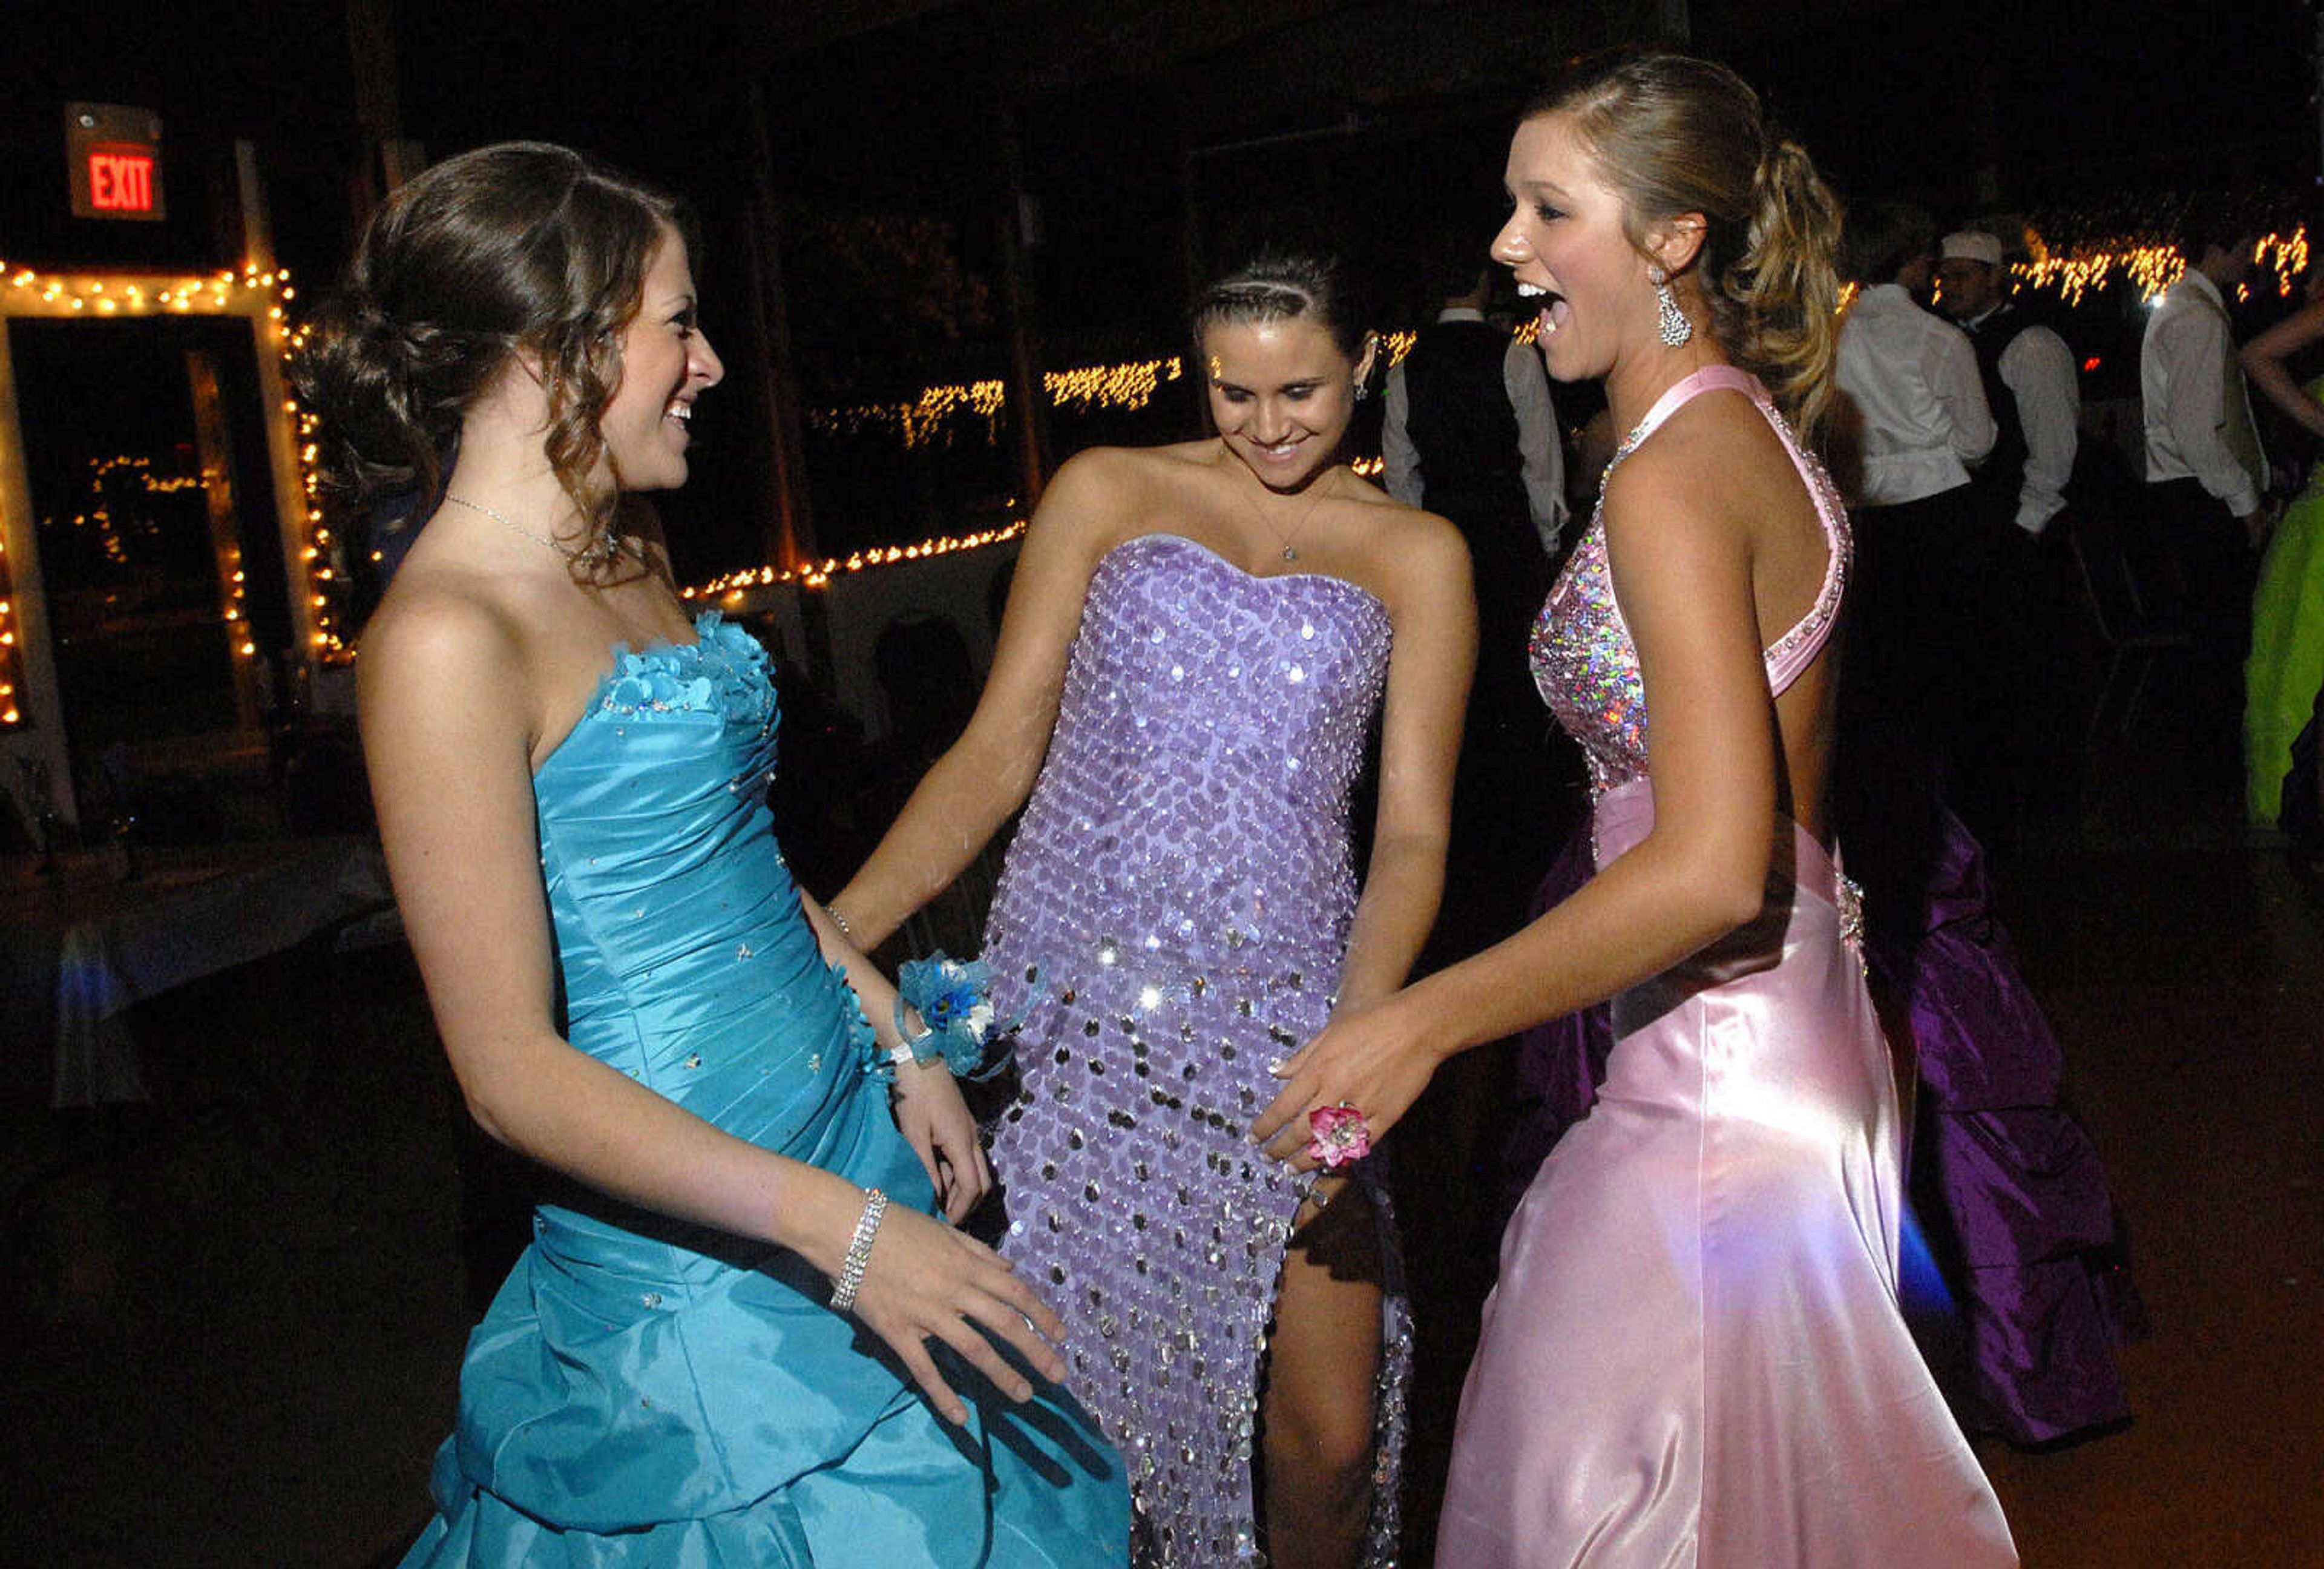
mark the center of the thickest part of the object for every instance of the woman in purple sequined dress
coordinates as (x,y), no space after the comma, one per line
(1695,1353)
(1198,640)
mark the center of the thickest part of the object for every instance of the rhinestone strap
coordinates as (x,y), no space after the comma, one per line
(859,1250)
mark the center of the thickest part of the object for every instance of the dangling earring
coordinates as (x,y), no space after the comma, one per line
(1362,391)
(1669,320)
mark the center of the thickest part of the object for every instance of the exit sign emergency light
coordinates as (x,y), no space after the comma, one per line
(114,155)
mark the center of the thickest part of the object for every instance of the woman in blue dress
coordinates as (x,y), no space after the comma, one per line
(746,1333)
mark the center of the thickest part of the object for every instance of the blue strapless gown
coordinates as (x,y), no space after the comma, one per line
(645,1392)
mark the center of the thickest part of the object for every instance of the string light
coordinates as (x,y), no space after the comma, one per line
(818,574)
(265,296)
(2079,267)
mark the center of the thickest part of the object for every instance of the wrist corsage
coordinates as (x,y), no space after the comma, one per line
(954,998)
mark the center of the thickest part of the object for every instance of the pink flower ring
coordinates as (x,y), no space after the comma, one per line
(1338,1136)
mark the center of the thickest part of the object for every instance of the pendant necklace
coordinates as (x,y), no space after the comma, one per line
(604,548)
(1285,540)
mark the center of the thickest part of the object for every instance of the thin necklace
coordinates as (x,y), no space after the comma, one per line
(1289,553)
(604,548)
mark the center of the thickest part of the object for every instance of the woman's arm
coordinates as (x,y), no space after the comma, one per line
(447,716)
(930,1111)
(1681,568)
(1435,617)
(2264,360)
(990,770)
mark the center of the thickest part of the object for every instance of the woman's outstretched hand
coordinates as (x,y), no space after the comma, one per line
(935,1121)
(1370,1058)
(926,1281)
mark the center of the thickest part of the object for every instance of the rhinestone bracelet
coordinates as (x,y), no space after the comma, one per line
(838,920)
(859,1250)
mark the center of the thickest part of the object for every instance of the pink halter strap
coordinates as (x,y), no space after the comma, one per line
(1794,651)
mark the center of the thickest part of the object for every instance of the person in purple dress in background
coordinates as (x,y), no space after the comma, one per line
(1197,641)
(1695,1353)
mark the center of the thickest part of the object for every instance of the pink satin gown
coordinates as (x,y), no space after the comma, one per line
(1694,1355)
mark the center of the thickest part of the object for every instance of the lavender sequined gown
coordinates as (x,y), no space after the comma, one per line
(1694,1354)
(1182,883)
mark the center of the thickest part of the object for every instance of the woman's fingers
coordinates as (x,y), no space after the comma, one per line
(1289,1144)
(968,1190)
(924,1143)
(967,1297)
(969,1342)
(1284,1067)
(912,1351)
(1026,1322)
(1288,1109)
(971,1176)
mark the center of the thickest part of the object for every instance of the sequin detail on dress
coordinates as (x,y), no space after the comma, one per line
(1183,878)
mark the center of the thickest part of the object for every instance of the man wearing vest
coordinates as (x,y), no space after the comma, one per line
(1470,427)
(1470,434)
(2204,472)
(2027,601)
(2030,385)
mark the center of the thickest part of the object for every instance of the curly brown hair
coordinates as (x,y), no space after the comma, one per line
(523,246)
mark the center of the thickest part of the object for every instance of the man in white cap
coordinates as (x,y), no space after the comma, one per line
(2026,599)
(2029,383)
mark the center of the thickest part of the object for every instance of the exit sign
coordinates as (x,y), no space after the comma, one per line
(113,152)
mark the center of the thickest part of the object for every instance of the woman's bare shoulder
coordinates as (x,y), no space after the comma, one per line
(1716,462)
(441,621)
(1417,555)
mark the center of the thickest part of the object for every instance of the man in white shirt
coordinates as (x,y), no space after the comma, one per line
(2029,379)
(2205,471)
(1911,419)
(1912,410)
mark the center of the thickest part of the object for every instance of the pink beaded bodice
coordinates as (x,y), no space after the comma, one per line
(1583,660)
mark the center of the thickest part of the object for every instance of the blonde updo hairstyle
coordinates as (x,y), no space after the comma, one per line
(1672,135)
(522,245)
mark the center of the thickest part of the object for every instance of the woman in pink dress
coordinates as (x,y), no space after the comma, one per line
(1694,1355)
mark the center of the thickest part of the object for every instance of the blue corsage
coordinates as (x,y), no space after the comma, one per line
(954,998)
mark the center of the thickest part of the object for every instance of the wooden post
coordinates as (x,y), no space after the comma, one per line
(387,158)
(216,455)
(786,517)
(257,222)
(1026,392)
(1192,264)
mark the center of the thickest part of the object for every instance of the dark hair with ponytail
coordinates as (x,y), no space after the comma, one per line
(1282,286)
(518,247)
(1672,135)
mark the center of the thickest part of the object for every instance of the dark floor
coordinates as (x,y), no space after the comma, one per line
(229,1334)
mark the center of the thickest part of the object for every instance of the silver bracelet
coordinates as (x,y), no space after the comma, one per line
(859,1250)
(839,921)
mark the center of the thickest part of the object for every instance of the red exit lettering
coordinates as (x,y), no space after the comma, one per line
(121,181)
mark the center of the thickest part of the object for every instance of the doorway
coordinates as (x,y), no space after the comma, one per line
(153,504)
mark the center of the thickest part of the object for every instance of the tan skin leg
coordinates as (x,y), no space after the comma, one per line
(1322,1363)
